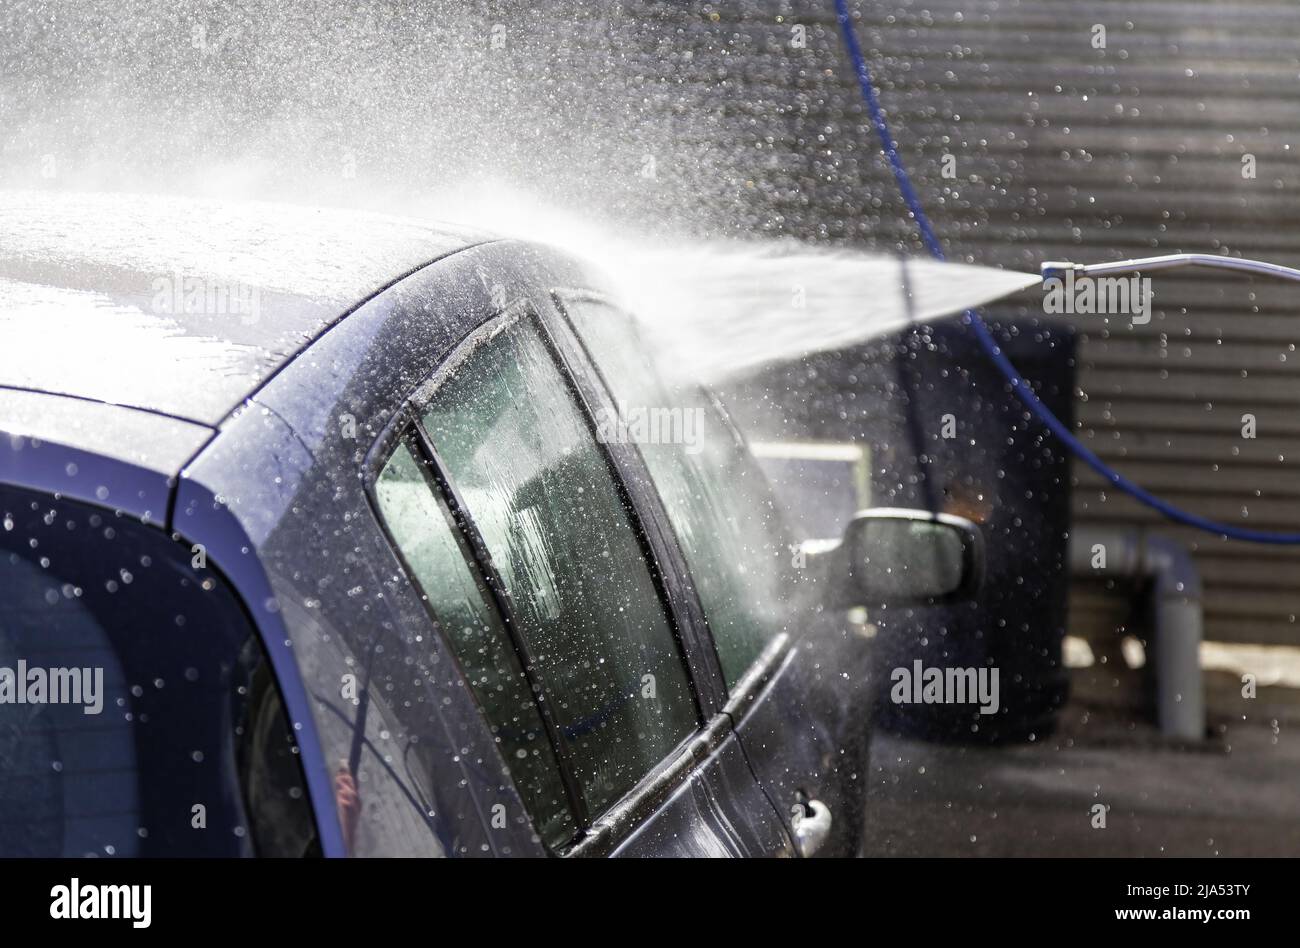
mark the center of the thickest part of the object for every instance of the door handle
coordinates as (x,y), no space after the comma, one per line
(812,826)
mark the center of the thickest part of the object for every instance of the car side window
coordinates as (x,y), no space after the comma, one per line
(422,527)
(544,516)
(720,506)
(518,450)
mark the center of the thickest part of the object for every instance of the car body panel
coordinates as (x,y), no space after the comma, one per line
(250,464)
(105,455)
(146,283)
(699,818)
(150,441)
(803,722)
(321,582)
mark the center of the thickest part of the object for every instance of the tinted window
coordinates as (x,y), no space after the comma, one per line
(268,764)
(135,673)
(421,526)
(720,506)
(535,482)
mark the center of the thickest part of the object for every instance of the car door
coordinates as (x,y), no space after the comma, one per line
(514,521)
(792,674)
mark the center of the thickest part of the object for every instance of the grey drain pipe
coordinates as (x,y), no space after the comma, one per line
(1177,619)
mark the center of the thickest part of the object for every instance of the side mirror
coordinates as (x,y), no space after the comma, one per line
(897,556)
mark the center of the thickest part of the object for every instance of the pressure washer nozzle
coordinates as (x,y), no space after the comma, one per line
(1170,261)
(1056,269)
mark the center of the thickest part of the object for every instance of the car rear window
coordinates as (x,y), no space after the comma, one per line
(138,715)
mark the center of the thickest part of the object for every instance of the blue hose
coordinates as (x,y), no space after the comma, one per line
(989,344)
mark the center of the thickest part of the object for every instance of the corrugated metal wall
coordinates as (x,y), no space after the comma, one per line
(1062,151)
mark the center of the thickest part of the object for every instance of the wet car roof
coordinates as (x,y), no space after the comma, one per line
(184,306)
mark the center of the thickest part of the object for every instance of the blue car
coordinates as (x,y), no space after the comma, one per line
(325,533)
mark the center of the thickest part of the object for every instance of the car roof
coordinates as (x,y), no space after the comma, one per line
(183,306)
